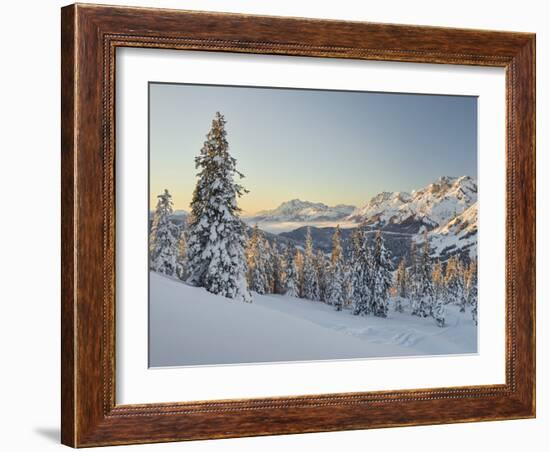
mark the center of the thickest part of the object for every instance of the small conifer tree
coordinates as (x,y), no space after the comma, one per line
(163,237)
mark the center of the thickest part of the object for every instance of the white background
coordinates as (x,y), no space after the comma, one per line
(138,384)
(29,331)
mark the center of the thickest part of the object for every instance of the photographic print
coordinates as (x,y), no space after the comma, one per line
(299,225)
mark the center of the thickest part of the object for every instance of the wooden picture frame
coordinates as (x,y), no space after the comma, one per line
(90,35)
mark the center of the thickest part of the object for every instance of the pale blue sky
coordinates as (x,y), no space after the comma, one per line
(336,147)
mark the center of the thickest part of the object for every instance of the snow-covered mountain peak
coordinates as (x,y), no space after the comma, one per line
(382,205)
(298,210)
(294,205)
(448,184)
(430,206)
(391,197)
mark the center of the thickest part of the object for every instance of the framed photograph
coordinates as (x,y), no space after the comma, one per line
(281,225)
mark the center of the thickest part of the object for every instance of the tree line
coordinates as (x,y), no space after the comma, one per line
(216,251)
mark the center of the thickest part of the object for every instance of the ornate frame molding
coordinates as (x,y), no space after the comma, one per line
(90,37)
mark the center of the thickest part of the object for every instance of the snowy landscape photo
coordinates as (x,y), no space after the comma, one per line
(299,225)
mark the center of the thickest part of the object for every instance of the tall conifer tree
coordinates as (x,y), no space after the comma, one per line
(401,285)
(291,273)
(413,276)
(216,238)
(311,283)
(323,271)
(438,281)
(362,277)
(454,282)
(299,262)
(382,277)
(472,289)
(423,290)
(277,269)
(257,263)
(335,287)
(337,253)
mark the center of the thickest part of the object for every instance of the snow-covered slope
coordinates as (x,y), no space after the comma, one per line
(431,206)
(458,235)
(190,326)
(297,210)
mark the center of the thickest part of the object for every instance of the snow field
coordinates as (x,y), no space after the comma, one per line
(189,326)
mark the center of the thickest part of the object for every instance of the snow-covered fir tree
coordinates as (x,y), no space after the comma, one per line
(423,295)
(291,273)
(267,254)
(164,237)
(336,253)
(355,270)
(413,277)
(347,283)
(335,277)
(401,285)
(181,271)
(463,272)
(299,262)
(471,288)
(449,276)
(438,282)
(336,288)
(216,234)
(454,283)
(382,277)
(277,269)
(311,283)
(283,263)
(362,275)
(323,271)
(257,263)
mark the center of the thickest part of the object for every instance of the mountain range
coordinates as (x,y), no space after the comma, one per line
(297,210)
(428,208)
(446,210)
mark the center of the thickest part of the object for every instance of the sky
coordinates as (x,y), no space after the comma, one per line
(335,147)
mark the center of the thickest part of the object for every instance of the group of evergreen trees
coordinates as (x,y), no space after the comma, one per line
(361,283)
(215,251)
(363,280)
(429,286)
